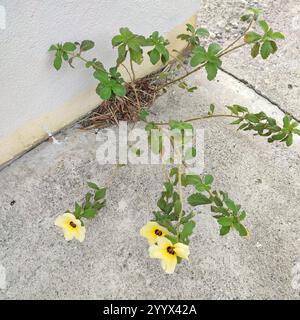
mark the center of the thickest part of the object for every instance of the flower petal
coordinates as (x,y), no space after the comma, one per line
(169,264)
(155,252)
(80,235)
(163,242)
(182,250)
(68,234)
(148,231)
(59,221)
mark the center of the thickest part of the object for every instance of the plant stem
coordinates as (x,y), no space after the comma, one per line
(132,70)
(181,200)
(239,38)
(202,118)
(133,84)
(222,53)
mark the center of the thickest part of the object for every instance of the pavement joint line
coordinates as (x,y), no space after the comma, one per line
(257,91)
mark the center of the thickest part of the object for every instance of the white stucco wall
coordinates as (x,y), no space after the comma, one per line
(29,85)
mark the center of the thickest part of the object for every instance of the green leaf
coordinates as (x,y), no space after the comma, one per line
(242,216)
(224,230)
(212,70)
(251,37)
(289,140)
(117,40)
(169,189)
(122,52)
(264,25)
(93,185)
(209,179)
(245,17)
(53,48)
(143,115)
(57,62)
(274,46)
(198,199)
(255,50)
(101,75)
(187,230)
(119,90)
(87,45)
(266,49)
(231,205)
(100,194)
(277,36)
(136,56)
(154,56)
(77,210)
(177,207)
(286,121)
(202,32)
(162,204)
(252,118)
(279,136)
(199,56)
(89,213)
(296,131)
(181,125)
(69,46)
(241,229)
(104,92)
(225,221)
(134,44)
(190,28)
(214,49)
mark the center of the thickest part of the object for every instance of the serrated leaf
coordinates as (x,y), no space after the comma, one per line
(209,179)
(198,199)
(277,36)
(69,46)
(177,207)
(89,213)
(202,32)
(251,37)
(255,50)
(87,45)
(119,90)
(100,194)
(154,56)
(264,25)
(212,70)
(104,92)
(266,49)
(187,230)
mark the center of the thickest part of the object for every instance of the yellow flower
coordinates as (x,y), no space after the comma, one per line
(168,253)
(153,232)
(71,226)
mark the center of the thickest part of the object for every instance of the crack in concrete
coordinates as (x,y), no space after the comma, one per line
(251,86)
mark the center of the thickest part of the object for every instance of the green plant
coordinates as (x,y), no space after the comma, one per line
(72,223)
(169,232)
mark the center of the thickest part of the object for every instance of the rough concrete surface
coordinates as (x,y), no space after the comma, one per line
(37,263)
(279,79)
